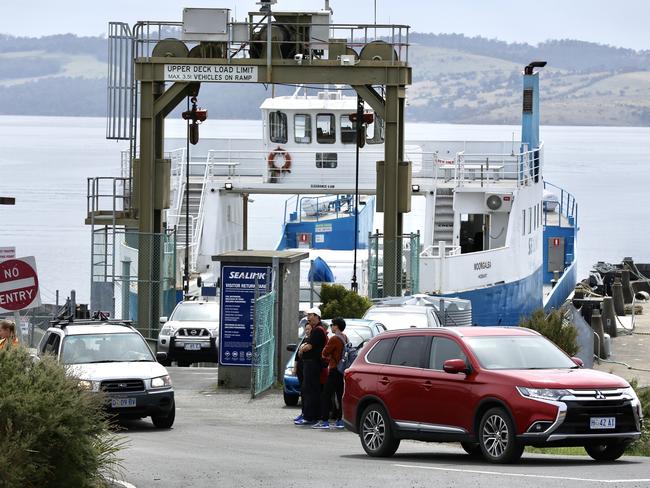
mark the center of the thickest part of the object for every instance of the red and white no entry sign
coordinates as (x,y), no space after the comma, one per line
(18,284)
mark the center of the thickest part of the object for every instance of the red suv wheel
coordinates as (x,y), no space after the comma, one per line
(376,433)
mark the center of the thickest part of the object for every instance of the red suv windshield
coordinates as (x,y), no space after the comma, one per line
(518,352)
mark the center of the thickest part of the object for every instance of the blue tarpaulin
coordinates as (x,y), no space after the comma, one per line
(320,272)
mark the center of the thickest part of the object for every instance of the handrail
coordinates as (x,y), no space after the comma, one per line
(200,217)
(433,251)
(567,203)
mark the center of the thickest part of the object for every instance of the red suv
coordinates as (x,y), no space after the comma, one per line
(494,390)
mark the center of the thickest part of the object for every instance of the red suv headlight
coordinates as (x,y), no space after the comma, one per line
(542,393)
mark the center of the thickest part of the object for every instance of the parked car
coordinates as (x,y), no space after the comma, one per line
(112,357)
(494,390)
(358,331)
(403,316)
(191,334)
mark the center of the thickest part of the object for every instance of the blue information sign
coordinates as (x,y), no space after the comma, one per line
(236,324)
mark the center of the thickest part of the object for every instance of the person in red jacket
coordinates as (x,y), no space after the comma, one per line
(332,353)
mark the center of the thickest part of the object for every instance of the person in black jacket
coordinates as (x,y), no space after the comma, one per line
(312,365)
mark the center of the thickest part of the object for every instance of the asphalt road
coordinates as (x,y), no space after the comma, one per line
(225,439)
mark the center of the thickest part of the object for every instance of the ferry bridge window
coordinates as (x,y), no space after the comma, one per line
(326,160)
(325,129)
(348,130)
(375,131)
(278,127)
(302,128)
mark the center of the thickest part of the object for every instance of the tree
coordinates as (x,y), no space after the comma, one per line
(338,301)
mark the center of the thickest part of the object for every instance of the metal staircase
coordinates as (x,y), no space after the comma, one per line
(443,224)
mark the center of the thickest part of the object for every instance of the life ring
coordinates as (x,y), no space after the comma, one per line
(278,151)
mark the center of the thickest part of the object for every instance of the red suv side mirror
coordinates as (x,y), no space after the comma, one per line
(454,366)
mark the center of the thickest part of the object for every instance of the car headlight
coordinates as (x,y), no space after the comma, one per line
(167,330)
(629,391)
(215,333)
(542,393)
(161,382)
(88,385)
(289,372)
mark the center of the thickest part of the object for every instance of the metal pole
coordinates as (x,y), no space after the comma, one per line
(355,285)
(186,277)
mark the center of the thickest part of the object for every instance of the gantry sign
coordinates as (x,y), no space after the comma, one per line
(171,75)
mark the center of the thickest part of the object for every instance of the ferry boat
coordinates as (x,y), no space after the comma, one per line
(490,234)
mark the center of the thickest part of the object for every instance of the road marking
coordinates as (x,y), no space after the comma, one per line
(520,475)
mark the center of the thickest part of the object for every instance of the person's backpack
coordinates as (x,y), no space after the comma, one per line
(347,358)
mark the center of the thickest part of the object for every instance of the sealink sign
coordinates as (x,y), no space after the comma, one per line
(239,285)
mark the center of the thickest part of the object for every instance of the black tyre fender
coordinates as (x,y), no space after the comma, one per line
(472,448)
(376,432)
(165,421)
(497,437)
(609,451)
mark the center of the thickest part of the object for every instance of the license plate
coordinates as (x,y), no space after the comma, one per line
(192,347)
(122,402)
(602,423)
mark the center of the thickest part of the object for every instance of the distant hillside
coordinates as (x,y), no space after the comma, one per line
(455,79)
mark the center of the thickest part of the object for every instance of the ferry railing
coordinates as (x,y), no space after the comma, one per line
(440,249)
(115,189)
(179,172)
(568,207)
(200,218)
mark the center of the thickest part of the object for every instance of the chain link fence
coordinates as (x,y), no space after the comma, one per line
(263,365)
(404,262)
(116,287)
(33,322)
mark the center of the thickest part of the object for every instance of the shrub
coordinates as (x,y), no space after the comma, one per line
(52,434)
(552,327)
(641,447)
(338,301)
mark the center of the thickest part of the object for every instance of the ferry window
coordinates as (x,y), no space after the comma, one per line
(326,160)
(530,219)
(302,128)
(523,222)
(278,127)
(375,131)
(325,129)
(348,130)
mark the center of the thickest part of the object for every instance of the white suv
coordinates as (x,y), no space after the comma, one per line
(113,358)
(191,334)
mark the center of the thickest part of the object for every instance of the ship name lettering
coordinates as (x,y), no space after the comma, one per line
(482,265)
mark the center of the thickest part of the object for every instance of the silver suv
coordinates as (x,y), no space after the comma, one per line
(191,334)
(112,357)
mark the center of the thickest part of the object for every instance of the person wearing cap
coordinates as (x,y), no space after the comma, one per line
(310,352)
(333,390)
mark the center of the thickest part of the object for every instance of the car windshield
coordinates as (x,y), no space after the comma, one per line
(105,348)
(196,312)
(398,319)
(358,334)
(518,352)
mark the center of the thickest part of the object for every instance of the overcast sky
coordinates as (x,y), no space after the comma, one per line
(622,23)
